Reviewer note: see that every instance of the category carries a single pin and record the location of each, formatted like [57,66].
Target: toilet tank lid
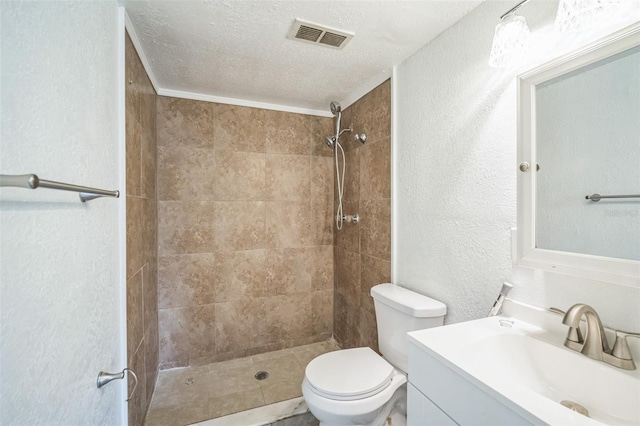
[407,301]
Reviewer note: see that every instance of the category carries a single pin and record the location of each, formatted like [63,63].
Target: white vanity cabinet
[439,395]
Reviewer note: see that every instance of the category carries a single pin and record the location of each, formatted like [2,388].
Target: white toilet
[358,386]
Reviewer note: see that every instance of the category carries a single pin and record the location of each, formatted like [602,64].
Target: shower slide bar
[598,197]
[33,181]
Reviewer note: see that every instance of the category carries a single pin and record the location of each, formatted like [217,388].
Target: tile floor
[189,395]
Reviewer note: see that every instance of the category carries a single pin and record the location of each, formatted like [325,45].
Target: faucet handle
[621,347]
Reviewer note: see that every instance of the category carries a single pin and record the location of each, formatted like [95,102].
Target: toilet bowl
[358,386]
[351,387]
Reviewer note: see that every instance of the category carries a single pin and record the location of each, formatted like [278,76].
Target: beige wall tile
[322,220]
[287,133]
[321,127]
[288,177]
[149,167]
[201,329]
[241,324]
[183,122]
[351,176]
[322,312]
[185,333]
[135,243]
[185,227]
[289,270]
[135,326]
[151,359]
[347,270]
[133,147]
[239,275]
[150,295]
[137,406]
[339,317]
[368,330]
[373,271]
[240,128]
[132,91]
[349,236]
[375,170]
[373,114]
[148,107]
[186,173]
[288,224]
[285,323]
[239,176]
[239,225]
[186,280]
[173,338]
[322,272]
[149,230]
[375,231]
[322,176]
[141,230]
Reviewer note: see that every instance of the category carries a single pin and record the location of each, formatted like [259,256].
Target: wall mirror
[578,145]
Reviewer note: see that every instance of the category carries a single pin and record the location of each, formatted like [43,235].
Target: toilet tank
[398,311]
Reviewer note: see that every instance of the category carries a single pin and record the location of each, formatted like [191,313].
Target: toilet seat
[349,374]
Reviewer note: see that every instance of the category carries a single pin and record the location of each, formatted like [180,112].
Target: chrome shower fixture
[335,107]
[333,142]
[330,141]
[362,138]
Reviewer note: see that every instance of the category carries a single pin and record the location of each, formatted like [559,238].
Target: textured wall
[455,177]
[245,231]
[588,136]
[362,252]
[142,248]
[59,276]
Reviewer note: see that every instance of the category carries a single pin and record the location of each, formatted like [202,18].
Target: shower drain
[261,375]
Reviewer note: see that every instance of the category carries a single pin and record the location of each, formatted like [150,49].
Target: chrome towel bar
[598,197]
[33,181]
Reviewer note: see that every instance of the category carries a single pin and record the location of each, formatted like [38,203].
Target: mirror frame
[607,269]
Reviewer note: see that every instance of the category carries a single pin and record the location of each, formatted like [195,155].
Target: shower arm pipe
[32,181]
[513,9]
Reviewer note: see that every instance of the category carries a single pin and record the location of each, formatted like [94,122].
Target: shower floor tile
[189,395]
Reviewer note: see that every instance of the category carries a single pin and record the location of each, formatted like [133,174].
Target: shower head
[330,141]
[335,107]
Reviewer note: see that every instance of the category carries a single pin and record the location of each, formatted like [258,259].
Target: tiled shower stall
[232,249]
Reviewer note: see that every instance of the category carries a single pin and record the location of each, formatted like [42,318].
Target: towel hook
[104,378]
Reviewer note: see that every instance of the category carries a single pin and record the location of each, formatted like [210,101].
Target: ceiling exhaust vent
[319,34]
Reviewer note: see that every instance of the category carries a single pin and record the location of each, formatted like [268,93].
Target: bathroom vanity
[514,370]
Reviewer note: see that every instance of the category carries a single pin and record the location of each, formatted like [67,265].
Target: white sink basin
[530,367]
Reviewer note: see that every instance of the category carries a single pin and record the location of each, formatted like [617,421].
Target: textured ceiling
[239,49]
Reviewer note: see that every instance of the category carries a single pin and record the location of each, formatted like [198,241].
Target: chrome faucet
[595,344]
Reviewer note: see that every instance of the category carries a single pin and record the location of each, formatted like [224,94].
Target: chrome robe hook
[104,378]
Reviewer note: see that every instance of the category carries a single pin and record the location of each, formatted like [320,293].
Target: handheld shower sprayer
[335,107]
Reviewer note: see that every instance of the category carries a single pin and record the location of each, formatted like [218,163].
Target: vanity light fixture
[510,39]
[511,35]
[578,15]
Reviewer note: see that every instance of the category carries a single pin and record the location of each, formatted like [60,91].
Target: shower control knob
[351,218]
[361,137]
